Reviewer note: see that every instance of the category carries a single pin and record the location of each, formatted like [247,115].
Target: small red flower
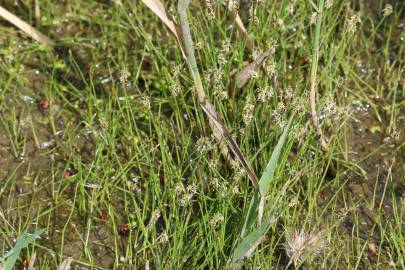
[123,229]
[103,216]
[44,104]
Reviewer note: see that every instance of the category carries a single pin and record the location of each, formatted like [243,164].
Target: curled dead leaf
[242,77]
[247,72]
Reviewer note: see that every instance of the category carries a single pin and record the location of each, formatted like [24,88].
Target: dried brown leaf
[25,27]
[247,72]
[212,114]
[65,265]
[158,8]
[240,27]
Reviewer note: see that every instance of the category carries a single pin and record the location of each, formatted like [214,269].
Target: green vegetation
[103,141]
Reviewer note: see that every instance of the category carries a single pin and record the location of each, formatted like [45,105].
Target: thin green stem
[189,46]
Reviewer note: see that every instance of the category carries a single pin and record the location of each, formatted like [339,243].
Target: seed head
[210,9]
[216,219]
[387,10]
[233,5]
[301,245]
[312,19]
[328,3]
[163,238]
[352,23]
[124,76]
[290,8]
[265,93]
[179,188]
[203,144]
[185,199]
[248,111]
[155,216]
[145,102]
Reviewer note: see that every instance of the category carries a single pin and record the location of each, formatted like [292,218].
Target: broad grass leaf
[251,241]
[254,237]
[22,242]
[268,173]
[265,182]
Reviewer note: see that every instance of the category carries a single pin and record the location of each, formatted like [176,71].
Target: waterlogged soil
[34,178]
[373,180]
[33,158]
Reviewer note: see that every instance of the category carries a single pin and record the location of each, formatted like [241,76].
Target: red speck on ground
[377,203]
[44,104]
[24,263]
[123,229]
[68,173]
[103,216]
[322,194]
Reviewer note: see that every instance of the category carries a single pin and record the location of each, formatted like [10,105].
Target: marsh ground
[103,142]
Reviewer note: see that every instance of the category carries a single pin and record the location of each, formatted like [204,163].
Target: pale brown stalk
[25,27]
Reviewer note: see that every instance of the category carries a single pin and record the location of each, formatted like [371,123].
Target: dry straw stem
[209,110]
[314,70]
[146,265]
[65,265]
[37,13]
[25,27]
[31,261]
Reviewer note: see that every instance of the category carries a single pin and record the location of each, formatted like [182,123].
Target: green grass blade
[254,237]
[265,182]
[23,241]
[251,241]
[268,173]
[251,215]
